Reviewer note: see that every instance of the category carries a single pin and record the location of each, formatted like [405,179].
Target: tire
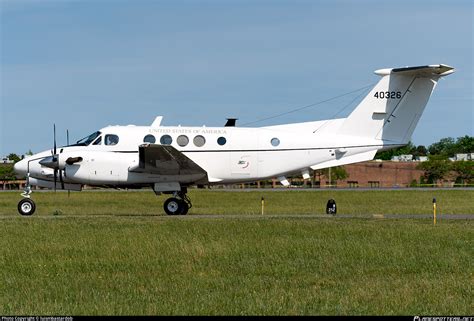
[173,206]
[185,208]
[26,207]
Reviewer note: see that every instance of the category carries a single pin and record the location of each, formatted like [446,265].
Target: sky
[84,65]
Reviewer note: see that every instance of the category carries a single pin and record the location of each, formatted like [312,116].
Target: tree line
[438,166]
[445,147]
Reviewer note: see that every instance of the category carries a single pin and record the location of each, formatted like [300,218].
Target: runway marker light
[263,204]
[434,211]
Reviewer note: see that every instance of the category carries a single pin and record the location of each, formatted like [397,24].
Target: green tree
[337,173]
[465,144]
[420,151]
[464,171]
[445,147]
[435,168]
[404,150]
[6,172]
[14,157]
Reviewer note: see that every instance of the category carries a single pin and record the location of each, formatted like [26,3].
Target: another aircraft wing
[165,160]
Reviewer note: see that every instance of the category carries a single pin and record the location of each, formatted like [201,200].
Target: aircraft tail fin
[392,108]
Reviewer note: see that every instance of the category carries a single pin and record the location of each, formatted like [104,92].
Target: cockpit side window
[87,140]
[111,139]
[98,141]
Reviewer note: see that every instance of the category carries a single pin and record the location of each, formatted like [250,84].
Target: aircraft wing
[165,160]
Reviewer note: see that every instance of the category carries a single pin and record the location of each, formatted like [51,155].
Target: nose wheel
[177,205]
[26,207]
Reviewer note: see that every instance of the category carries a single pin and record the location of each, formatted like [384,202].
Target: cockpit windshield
[87,140]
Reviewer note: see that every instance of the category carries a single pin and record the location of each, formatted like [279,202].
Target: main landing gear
[179,204]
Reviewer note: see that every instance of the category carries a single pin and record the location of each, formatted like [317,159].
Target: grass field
[68,258]
[249,202]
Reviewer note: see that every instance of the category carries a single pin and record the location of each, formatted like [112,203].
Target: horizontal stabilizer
[419,71]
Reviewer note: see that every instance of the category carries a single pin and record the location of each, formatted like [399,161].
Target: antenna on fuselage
[230,122]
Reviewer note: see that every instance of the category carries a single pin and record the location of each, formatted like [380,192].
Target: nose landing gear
[26,206]
[179,204]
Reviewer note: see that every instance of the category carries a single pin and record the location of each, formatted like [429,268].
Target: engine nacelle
[98,168]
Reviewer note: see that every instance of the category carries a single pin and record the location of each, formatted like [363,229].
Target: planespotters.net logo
[418,318]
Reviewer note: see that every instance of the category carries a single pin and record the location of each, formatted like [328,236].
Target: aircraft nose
[20,167]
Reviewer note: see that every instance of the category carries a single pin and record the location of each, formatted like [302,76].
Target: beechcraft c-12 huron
[170,159]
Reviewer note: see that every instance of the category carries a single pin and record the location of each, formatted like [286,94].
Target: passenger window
[275,142]
[98,141]
[166,140]
[199,141]
[111,140]
[149,139]
[221,141]
[182,140]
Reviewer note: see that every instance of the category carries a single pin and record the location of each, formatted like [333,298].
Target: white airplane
[170,158]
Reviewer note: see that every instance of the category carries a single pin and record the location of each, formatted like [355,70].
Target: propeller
[55,158]
[62,182]
[53,161]
[61,178]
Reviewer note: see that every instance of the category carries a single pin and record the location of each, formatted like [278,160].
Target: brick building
[377,174]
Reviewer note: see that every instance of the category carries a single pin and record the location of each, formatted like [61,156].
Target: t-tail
[392,109]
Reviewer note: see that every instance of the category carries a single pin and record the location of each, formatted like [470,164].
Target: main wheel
[26,207]
[173,206]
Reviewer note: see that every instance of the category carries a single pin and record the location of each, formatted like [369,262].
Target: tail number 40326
[388,94]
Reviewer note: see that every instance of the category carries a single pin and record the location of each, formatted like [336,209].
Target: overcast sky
[87,64]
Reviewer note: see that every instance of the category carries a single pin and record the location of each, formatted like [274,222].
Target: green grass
[249,202]
[76,261]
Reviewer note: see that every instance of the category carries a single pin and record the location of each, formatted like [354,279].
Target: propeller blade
[68,191]
[55,178]
[54,131]
[61,179]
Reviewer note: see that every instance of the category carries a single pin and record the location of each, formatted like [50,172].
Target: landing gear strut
[26,206]
[179,204]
